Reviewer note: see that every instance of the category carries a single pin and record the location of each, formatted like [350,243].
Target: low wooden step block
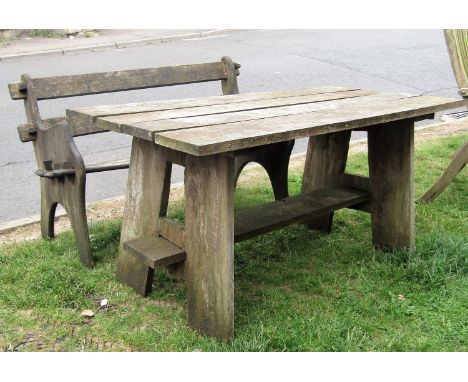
[267,217]
[155,251]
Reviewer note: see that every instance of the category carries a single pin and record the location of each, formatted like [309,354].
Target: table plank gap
[134,118]
[147,129]
[87,116]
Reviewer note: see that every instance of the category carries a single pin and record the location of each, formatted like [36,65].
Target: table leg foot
[143,202]
[391,169]
[276,164]
[135,273]
[209,228]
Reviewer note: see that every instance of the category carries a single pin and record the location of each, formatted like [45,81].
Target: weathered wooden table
[210,136]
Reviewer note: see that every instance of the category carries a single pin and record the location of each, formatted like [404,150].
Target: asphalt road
[387,60]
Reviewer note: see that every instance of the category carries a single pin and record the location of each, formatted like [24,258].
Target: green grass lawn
[295,289]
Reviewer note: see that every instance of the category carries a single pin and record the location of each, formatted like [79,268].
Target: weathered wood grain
[61,166]
[54,148]
[457,46]
[271,216]
[360,183]
[355,181]
[229,83]
[107,82]
[91,168]
[27,131]
[155,251]
[143,200]
[391,173]
[227,137]
[88,115]
[144,125]
[209,229]
[325,163]
[172,231]
[267,217]
[222,109]
[274,158]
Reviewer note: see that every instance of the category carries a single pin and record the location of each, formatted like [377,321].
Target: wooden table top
[211,125]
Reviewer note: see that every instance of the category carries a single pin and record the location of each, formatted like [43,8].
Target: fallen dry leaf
[401,297]
[87,313]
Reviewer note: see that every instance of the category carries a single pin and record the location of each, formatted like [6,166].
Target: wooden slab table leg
[325,161]
[145,191]
[391,170]
[209,230]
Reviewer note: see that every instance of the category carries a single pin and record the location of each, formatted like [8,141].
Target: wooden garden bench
[61,167]
[457,46]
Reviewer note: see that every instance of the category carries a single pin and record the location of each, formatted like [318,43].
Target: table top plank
[133,118]
[144,125]
[213,139]
[211,125]
[148,129]
[87,115]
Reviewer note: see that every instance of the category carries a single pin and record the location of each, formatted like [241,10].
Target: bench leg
[145,189]
[77,214]
[48,207]
[73,200]
[391,176]
[209,230]
[325,160]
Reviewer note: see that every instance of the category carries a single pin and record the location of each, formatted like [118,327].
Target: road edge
[109,46]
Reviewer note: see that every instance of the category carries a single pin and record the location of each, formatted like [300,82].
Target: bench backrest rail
[45,88]
[108,82]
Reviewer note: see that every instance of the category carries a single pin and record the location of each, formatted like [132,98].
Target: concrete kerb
[108,46]
[24,222]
